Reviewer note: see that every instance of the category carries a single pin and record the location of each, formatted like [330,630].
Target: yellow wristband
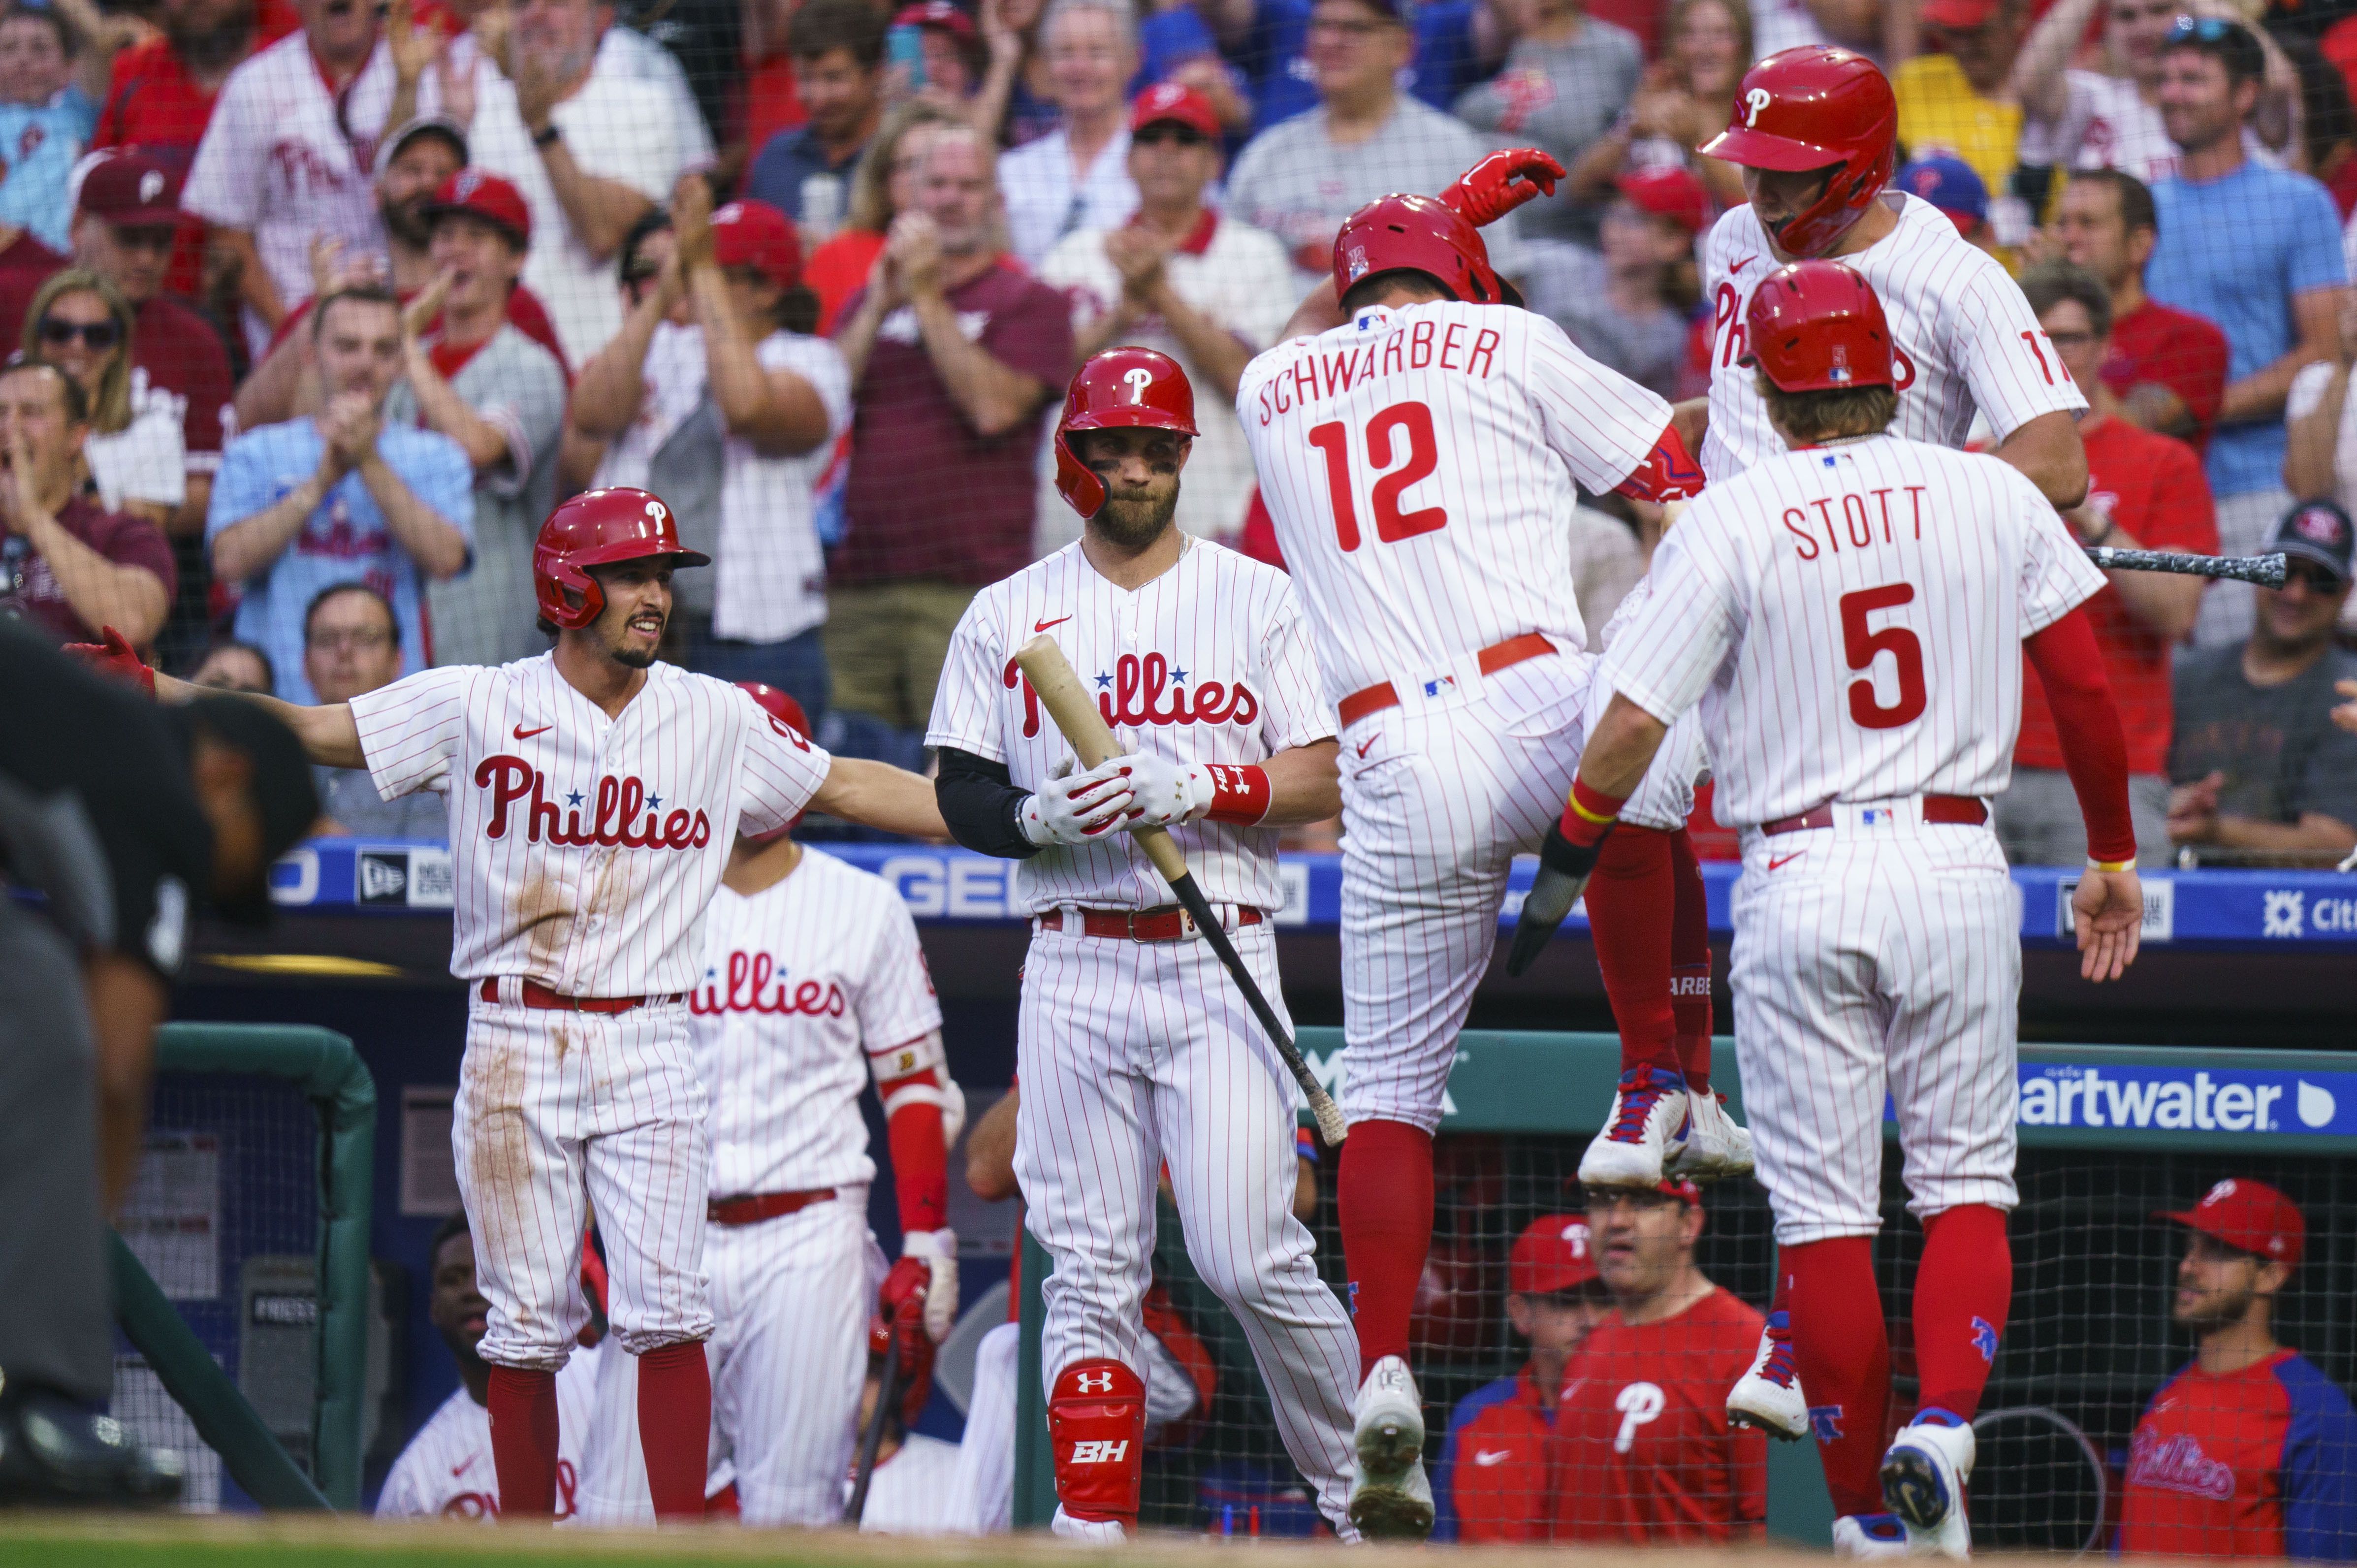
[1587,816]
[2095,865]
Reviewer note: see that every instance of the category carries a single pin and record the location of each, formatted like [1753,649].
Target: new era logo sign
[1104,1453]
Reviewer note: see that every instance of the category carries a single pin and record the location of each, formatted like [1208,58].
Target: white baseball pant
[1879,954]
[791,1300]
[560,1114]
[1132,1053]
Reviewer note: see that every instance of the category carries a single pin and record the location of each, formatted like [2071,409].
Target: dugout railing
[326,1073]
[2089,1338]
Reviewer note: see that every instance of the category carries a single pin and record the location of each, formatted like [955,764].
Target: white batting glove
[1077,808]
[938,1250]
[1166,791]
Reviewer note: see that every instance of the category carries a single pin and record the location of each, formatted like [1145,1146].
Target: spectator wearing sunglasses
[2263,777]
[67,565]
[80,324]
[1208,290]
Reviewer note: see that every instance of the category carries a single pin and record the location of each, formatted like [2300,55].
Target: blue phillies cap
[1948,183]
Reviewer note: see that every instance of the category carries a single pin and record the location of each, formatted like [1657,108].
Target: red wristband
[1242,792]
[1590,812]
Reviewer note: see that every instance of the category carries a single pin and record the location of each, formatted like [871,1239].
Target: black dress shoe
[54,1453]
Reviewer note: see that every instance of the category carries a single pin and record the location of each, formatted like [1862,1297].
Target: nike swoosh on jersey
[1493,1455]
[1044,625]
[1744,262]
[1367,742]
[522,734]
[1776,860]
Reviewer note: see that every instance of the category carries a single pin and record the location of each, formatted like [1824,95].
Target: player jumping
[1876,941]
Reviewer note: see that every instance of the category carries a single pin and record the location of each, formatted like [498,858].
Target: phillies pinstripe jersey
[1417,462]
[803,982]
[1850,617]
[585,848]
[447,1467]
[1964,337]
[1208,662]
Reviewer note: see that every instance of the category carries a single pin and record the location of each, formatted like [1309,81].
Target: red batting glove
[115,656]
[1501,182]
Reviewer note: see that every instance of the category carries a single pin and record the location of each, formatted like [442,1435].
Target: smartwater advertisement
[2189,1099]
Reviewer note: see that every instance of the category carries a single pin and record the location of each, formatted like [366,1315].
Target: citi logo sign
[1104,1452]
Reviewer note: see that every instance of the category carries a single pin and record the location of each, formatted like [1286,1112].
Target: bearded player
[1134,1046]
[1878,946]
[1418,440]
[813,985]
[595,795]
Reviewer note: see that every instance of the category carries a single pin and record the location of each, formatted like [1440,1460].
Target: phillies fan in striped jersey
[595,795]
[1877,931]
[1417,441]
[813,984]
[1134,1046]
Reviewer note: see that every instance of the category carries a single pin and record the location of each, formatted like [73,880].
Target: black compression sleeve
[982,805]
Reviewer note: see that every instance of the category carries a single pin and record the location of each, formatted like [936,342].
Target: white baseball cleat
[1651,1115]
[1718,1147]
[1087,1531]
[1863,1535]
[1924,1476]
[1391,1499]
[1769,1396]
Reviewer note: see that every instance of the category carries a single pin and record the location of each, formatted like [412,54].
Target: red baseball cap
[756,234]
[939,13]
[2250,1216]
[1961,16]
[1671,193]
[1179,104]
[478,193]
[128,190]
[1552,1254]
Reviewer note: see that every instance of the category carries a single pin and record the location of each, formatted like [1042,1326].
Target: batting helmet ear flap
[1075,481]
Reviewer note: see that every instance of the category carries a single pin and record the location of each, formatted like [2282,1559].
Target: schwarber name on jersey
[585,848]
[1964,338]
[1851,618]
[1417,462]
[1209,663]
[802,982]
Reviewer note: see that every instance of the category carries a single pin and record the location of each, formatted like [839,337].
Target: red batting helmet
[1418,233]
[782,710]
[1134,388]
[593,529]
[1813,107]
[1816,326]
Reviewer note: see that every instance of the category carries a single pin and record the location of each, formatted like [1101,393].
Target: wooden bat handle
[1075,713]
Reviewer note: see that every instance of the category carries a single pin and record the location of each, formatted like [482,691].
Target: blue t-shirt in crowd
[1277,69]
[38,147]
[788,159]
[345,540]
[2239,250]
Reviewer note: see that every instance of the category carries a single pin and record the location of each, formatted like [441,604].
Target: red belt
[752,1208]
[532,994]
[1960,811]
[1498,656]
[1167,924]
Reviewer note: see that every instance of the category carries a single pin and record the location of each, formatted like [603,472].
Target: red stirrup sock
[1383,1193]
[675,1426]
[1842,1351]
[522,1403]
[1690,963]
[1962,1288]
[1630,906]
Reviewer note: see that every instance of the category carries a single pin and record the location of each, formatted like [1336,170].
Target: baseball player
[1871,592]
[813,985]
[1134,1046]
[1416,453]
[595,799]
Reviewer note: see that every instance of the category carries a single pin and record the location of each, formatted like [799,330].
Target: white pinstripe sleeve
[965,704]
[1668,655]
[895,999]
[2056,575]
[779,770]
[2008,363]
[410,731]
[1601,422]
[1296,712]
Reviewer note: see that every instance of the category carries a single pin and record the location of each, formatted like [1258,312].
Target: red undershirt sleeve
[921,1157]
[2094,752]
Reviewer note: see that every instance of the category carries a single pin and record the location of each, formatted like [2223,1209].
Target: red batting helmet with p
[1817,327]
[1815,107]
[1418,233]
[1121,388]
[598,528]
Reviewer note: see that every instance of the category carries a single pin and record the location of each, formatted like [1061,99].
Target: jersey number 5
[1861,644]
[1412,420]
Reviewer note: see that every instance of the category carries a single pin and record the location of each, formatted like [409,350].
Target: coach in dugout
[1493,1477]
[2248,1451]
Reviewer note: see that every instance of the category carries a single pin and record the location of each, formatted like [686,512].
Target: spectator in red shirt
[1494,1478]
[2249,1451]
[2166,366]
[65,565]
[2144,492]
[1646,1453]
[954,350]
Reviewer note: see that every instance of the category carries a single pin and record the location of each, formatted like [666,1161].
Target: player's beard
[1134,522]
[2215,1310]
[405,222]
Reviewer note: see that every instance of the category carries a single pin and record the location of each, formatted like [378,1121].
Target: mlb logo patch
[1873,816]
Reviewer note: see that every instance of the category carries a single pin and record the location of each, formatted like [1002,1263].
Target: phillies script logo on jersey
[2178,1465]
[614,816]
[748,990]
[1149,691]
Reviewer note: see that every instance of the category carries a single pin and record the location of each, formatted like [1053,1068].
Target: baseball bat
[2266,570]
[870,1441]
[1075,713]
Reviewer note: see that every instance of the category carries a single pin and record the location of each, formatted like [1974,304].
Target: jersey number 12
[1410,423]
